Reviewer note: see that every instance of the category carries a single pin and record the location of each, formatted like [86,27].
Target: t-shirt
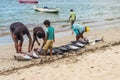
[73,15]
[50,33]
[17,28]
[78,28]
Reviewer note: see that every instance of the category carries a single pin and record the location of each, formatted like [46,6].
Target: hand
[35,49]
[29,50]
[53,40]
[38,44]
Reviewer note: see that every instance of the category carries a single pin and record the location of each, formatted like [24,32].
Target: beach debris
[92,67]
[117,52]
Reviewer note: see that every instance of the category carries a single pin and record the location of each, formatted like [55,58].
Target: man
[72,17]
[50,38]
[79,30]
[17,30]
[38,32]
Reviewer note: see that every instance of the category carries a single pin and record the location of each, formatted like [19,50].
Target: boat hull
[47,10]
[28,1]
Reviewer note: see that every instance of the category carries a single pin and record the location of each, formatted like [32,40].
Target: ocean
[12,11]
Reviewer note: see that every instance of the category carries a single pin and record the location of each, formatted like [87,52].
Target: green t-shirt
[73,15]
[50,33]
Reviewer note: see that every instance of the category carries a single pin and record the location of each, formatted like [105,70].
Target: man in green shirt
[72,17]
[50,38]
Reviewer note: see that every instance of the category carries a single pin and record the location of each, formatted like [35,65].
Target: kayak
[46,9]
[28,1]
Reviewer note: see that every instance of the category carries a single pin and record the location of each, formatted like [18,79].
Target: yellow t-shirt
[73,15]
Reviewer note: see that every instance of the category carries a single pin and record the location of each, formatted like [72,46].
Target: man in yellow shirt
[72,17]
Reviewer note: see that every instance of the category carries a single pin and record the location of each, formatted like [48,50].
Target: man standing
[72,17]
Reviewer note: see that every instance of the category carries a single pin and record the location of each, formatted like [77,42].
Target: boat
[29,1]
[46,9]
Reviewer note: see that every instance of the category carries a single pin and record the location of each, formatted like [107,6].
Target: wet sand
[98,62]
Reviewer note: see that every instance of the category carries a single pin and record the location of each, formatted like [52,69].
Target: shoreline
[57,25]
[6,38]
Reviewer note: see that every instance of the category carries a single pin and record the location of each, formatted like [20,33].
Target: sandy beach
[98,62]
[98,65]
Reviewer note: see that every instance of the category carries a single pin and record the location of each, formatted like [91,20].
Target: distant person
[38,32]
[79,29]
[72,17]
[50,38]
[17,30]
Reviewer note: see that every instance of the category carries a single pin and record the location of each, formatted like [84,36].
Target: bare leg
[78,37]
[20,46]
[15,41]
[51,53]
[45,54]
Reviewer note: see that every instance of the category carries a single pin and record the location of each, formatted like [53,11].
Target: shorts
[48,45]
[77,32]
[19,37]
[72,22]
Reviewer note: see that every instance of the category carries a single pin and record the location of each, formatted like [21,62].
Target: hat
[87,29]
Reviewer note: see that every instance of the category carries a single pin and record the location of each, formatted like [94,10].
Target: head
[71,10]
[87,29]
[40,35]
[47,23]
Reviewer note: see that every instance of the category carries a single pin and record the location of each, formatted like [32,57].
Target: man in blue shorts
[79,29]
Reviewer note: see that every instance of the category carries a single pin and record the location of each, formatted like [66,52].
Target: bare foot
[50,58]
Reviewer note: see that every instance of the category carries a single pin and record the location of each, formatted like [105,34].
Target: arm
[30,42]
[75,17]
[54,37]
[69,17]
[44,41]
[72,30]
[33,42]
[37,41]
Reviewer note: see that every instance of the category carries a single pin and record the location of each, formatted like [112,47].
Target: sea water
[12,11]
